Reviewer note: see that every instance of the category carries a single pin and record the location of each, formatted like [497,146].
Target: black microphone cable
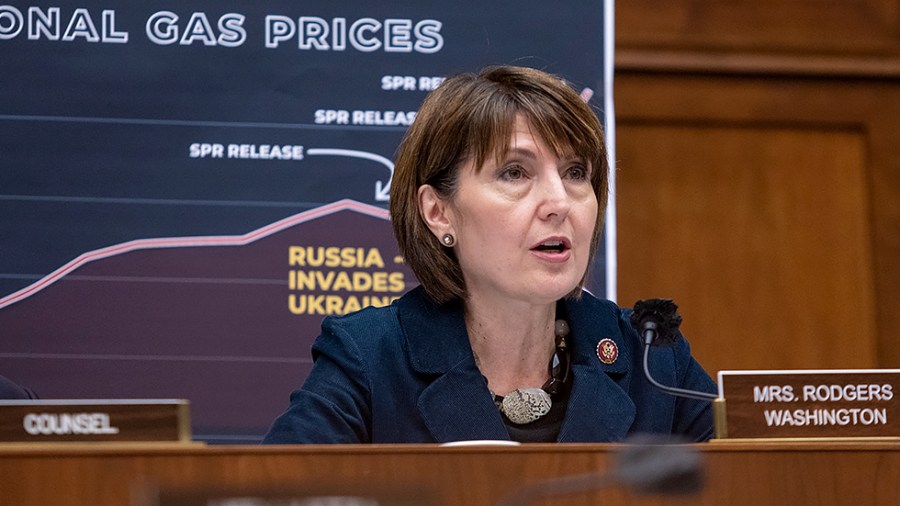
[657,321]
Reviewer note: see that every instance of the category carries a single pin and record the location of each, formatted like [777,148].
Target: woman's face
[524,226]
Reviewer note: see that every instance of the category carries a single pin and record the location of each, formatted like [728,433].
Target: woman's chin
[552,292]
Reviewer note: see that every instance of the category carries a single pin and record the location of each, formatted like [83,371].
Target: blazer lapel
[599,409]
[456,405]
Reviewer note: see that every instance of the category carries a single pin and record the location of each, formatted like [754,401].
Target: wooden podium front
[852,472]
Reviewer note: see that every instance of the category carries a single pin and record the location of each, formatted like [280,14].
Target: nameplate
[95,420]
[811,404]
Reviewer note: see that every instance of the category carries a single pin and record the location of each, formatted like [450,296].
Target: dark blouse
[546,428]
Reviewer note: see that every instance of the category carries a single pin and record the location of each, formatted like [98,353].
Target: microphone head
[661,313]
[652,465]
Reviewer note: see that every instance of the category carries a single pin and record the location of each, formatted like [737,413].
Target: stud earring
[448,240]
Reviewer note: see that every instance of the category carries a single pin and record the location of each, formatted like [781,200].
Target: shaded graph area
[215,320]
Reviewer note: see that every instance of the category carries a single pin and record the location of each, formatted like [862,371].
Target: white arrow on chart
[382,190]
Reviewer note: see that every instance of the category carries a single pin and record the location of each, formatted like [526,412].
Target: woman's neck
[512,344]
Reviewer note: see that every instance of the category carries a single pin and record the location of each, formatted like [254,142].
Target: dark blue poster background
[187,188]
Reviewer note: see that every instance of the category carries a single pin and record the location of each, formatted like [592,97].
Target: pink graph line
[189,242]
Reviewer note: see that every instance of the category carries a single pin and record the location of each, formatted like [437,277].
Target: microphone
[645,464]
[654,464]
[657,321]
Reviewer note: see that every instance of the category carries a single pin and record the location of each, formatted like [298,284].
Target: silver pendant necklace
[525,405]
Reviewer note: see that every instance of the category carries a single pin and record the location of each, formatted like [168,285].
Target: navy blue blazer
[11,390]
[406,374]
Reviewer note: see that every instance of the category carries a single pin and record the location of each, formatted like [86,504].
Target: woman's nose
[555,198]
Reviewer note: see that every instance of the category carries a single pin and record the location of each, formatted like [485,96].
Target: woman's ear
[435,211]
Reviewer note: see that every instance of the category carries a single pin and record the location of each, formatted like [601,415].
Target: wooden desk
[855,473]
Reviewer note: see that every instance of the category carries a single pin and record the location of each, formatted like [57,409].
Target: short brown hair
[471,116]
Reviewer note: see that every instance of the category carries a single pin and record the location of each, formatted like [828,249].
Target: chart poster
[187,188]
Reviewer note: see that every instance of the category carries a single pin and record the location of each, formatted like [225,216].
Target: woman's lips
[553,250]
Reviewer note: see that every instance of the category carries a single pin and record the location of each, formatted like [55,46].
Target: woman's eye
[512,173]
[577,172]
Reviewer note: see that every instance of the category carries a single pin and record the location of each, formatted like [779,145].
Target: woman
[497,202]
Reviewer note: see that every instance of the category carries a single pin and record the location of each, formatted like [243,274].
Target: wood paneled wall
[758,181]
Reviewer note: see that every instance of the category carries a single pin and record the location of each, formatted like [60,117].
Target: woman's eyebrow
[517,152]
